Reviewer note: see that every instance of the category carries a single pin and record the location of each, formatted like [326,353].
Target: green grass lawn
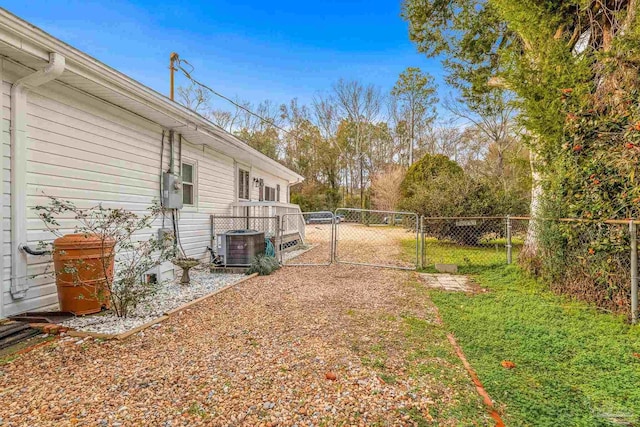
[575,366]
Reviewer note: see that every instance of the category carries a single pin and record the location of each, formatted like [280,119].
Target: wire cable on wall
[162,170]
[175,214]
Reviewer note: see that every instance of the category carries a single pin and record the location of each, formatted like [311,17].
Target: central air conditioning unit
[238,247]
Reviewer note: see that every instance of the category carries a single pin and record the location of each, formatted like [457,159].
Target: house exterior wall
[87,151]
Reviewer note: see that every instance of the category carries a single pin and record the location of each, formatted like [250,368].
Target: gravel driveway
[263,353]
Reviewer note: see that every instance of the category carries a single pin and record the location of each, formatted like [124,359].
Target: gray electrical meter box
[171,191]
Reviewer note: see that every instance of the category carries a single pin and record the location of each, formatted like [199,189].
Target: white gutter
[18,140]
[1,208]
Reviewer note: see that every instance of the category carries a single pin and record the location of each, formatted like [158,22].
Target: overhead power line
[231,101]
[187,73]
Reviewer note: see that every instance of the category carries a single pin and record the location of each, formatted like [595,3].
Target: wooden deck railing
[288,213]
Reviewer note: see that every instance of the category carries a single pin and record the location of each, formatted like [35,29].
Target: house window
[270,194]
[188,184]
[278,193]
[243,184]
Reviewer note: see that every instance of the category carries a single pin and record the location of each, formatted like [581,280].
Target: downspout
[19,91]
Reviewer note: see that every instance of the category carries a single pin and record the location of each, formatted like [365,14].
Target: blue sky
[252,49]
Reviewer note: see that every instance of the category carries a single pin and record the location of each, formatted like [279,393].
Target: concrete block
[447,268]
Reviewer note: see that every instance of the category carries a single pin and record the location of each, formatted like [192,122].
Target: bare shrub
[385,188]
[134,255]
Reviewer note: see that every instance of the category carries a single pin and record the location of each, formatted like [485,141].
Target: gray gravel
[169,296]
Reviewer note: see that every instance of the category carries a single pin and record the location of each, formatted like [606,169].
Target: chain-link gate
[377,238]
[307,238]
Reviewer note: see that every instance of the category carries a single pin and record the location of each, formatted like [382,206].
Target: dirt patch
[321,346]
[449,282]
[252,355]
[373,244]
[356,243]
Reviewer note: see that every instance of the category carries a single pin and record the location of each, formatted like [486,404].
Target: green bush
[592,175]
[264,265]
[422,173]
[438,187]
[313,197]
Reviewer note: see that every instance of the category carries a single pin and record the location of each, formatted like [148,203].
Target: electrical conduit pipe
[19,91]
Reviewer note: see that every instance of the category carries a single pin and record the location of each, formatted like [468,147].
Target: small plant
[388,378]
[132,255]
[196,409]
[264,265]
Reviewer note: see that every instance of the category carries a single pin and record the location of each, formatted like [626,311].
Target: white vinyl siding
[86,151]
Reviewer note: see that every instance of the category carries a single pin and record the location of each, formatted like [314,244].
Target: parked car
[319,218]
[395,220]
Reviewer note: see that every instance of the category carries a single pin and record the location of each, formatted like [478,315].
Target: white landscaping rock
[168,297]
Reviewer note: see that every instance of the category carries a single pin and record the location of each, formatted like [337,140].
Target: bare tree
[495,123]
[227,120]
[195,98]
[385,188]
[446,138]
[224,119]
[414,93]
[400,131]
[326,117]
[360,105]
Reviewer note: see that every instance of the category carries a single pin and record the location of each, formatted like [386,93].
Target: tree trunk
[362,204]
[411,142]
[530,249]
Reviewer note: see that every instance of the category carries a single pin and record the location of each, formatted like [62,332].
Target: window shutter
[247,192]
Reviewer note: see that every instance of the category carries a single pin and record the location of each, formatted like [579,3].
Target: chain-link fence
[595,261]
[307,238]
[233,241]
[376,238]
[589,260]
[463,244]
[517,231]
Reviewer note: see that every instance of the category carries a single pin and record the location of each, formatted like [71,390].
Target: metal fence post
[509,246]
[423,255]
[336,239]
[332,241]
[278,237]
[634,272]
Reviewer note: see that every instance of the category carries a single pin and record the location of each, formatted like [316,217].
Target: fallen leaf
[507,364]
